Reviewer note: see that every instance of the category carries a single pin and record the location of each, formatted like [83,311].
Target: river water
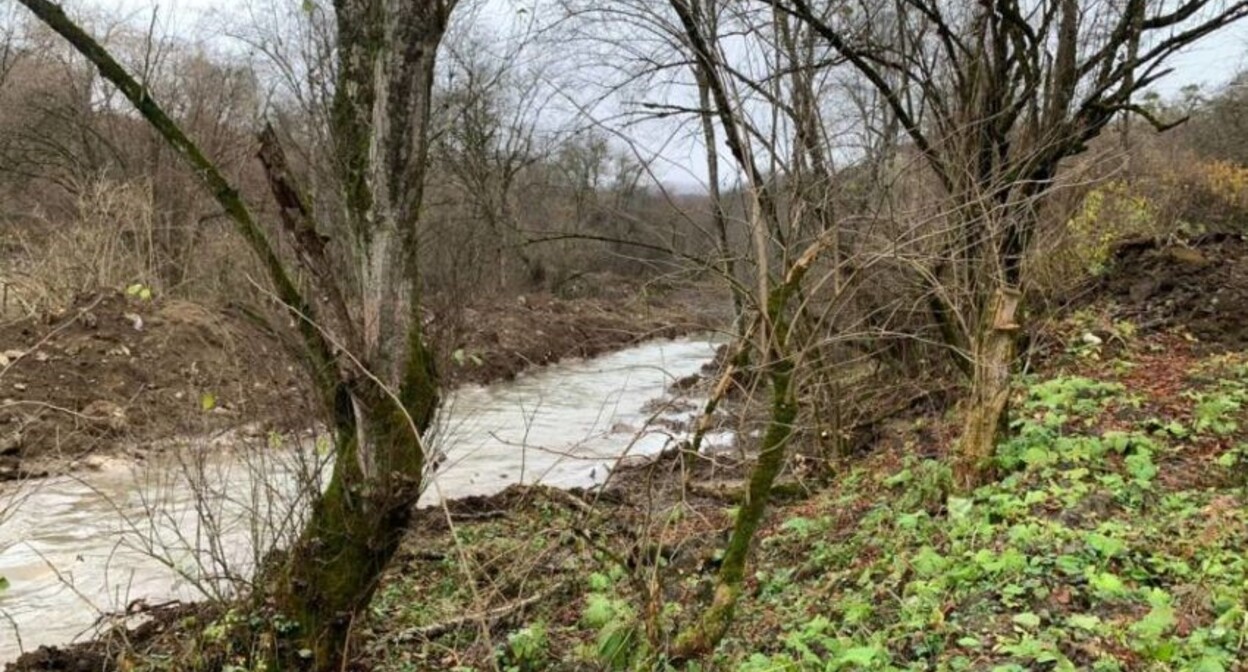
[192,522]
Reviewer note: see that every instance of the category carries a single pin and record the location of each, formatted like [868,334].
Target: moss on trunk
[702,638]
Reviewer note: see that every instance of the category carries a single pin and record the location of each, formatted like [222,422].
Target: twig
[438,629]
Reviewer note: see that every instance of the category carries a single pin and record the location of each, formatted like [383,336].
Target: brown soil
[495,338]
[115,373]
[114,370]
[1200,287]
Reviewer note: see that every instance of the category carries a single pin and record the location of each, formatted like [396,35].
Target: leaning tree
[994,95]
[358,317]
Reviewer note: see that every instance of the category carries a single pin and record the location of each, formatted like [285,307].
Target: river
[190,523]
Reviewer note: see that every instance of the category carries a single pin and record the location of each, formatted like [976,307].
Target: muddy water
[193,522]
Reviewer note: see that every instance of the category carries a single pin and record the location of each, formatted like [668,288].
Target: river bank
[118,373]
[192,521]
[1112,539]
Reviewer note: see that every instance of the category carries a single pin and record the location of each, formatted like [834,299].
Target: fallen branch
[488,616]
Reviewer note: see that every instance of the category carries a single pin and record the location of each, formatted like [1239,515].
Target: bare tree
[994,96]
[766,110]
[362,335]
[489,138]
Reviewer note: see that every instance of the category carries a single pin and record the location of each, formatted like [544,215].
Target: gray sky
[1209,64]
[679,161]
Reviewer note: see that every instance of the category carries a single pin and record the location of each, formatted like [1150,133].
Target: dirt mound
[116,369]
[495,338]
[1200,286]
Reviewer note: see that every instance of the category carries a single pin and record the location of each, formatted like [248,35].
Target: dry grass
[117,238]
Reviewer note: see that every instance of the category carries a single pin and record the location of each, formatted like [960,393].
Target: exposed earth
[117,372]
[1200,285]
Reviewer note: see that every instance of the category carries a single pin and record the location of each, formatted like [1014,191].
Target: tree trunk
[387,54]
[356,526]
[701,639]
[986,410]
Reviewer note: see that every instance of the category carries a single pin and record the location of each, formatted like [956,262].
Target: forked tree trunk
[387,52]
[355,527]
[372,368]
[986,416]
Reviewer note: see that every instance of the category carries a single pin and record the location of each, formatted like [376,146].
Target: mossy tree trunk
[701,638]
[705,634]
[366,353]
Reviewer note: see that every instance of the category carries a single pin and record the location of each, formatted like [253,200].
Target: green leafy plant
[139,291]
[619,644]
[527,649]
[1214,412]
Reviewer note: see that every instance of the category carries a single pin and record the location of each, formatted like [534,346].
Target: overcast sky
[678,163]
[1209,64]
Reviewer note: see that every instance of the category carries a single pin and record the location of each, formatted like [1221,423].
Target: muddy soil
[115,369]
[115,373]
[1200,286]
[495,338]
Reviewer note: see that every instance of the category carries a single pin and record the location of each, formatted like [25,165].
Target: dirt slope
[1200,285]
[115,369]
[116,372]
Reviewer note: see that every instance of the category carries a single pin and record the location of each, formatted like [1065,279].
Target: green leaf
[1039,456]
[1208,664]
[1157,623]
[959,508]
[207,401]
[4,583]
[133,290]
[1108,584]
[1176,429]
[145,294]
[927,562]
[1106,547]
[599,610]
[859,655]
[616,647]
[599,582]
[1141,467]
[1027,620]
[1087,622]
[900,478]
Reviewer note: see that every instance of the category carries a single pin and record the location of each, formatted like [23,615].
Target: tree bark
[986,415]
[701,638]
[705,635]
[387,55]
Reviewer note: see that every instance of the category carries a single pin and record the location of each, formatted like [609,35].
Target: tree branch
[321,359]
